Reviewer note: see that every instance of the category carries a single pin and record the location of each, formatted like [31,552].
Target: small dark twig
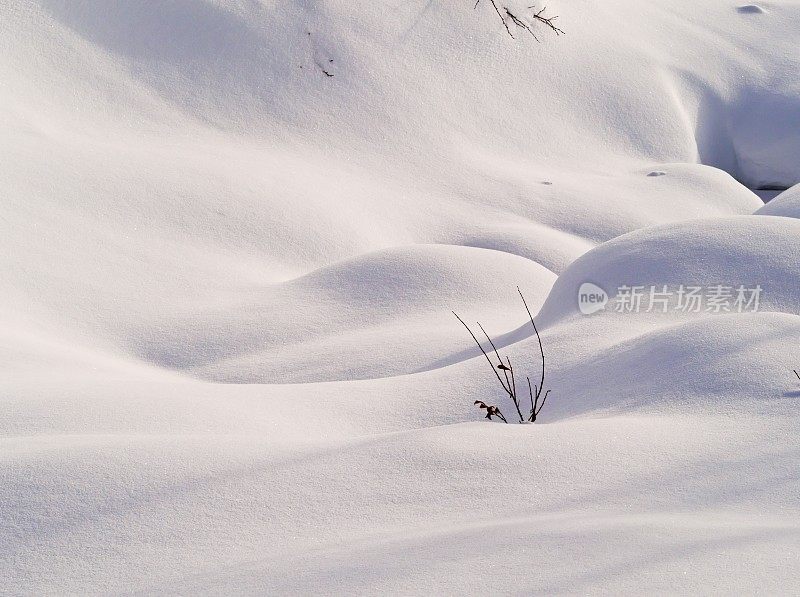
[535,412]
[548,21]
[499,14]
[513,383]
[513,392]
[520,21]
[509,387]
[482,350]
[539,388]
[324,70]
[533,403]
[510,384]
[502,367]
[796,373]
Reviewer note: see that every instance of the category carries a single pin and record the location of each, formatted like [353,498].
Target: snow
[750,9]
[785,204]
[228,358]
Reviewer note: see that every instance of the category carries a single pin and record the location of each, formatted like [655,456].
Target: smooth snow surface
[229,363]
[785,204]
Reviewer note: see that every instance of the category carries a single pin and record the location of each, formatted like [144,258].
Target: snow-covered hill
[229,363]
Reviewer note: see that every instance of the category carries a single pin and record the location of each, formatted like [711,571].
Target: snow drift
[229,363]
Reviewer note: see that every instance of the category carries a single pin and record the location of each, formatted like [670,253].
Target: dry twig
[523,21]
[508,381]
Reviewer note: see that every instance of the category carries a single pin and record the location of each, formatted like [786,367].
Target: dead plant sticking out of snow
[508,381]
[524,21]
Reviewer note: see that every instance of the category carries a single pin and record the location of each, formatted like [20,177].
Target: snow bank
[786,204]
[765,125]
[742,251]
[189,202]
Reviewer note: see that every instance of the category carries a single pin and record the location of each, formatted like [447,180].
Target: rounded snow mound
[376,315]
[703,363]
[733,252]
[786,204]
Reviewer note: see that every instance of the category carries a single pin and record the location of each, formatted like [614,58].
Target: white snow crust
[228,363]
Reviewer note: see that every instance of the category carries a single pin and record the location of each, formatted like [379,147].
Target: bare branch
[506,387]
[513,383]
[499,14]
[510,384]
[521,21]
[538,337]
[548,21]
[482,350]
[533,404]
[536,414]
[514,391]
